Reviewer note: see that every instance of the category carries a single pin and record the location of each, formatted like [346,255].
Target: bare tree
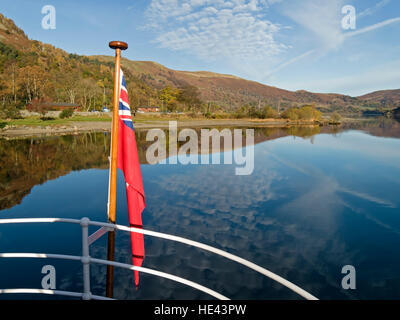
[89,91]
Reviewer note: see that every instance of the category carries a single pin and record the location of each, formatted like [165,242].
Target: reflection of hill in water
[29,162]
[379,127]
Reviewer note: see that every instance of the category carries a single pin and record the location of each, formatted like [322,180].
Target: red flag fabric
[128,162]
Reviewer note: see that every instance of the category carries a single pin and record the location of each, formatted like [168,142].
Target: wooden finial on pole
[117,46]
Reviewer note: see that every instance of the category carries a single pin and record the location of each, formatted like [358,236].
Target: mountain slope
[227,90]
[383,98]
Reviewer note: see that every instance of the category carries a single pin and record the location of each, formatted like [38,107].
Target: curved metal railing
[86,260]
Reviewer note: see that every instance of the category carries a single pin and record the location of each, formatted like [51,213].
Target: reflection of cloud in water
[384,150]
[288,217]
[218,189]
[241,221]
[310,224]
[369,197]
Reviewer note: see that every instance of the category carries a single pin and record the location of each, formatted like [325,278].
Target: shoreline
[78,127]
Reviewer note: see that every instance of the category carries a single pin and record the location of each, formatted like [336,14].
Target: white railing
[86,259]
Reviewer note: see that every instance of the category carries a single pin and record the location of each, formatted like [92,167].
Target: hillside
[227,90]
[384,98]
[32,71]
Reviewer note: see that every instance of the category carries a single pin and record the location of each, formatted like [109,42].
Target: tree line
[44,74]
[306,112]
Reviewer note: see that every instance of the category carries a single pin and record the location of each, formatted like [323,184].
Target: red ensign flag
[128,162]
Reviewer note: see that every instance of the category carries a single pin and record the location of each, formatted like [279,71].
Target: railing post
[85,259]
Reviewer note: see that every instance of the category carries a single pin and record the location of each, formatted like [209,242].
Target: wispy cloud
[291,61]
[372,28]
[323,20]
[370,11]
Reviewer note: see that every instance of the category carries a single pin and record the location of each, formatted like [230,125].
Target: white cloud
[242,35]
[217,29]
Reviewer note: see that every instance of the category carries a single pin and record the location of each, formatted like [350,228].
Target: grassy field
[86,120]
[36,121]
[143,119]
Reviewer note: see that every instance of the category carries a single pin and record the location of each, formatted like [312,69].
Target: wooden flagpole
[112,196]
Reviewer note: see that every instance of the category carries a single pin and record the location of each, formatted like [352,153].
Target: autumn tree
[169,97]
[268,113]
[335,118]
[291,113]
[39,106]
[189,96]
[304,113]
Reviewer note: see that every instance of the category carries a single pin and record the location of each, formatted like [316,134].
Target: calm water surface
[318,199]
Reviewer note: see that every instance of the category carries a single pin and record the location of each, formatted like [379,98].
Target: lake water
[318,199]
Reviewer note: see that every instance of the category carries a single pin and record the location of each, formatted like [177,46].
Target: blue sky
[291,44]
